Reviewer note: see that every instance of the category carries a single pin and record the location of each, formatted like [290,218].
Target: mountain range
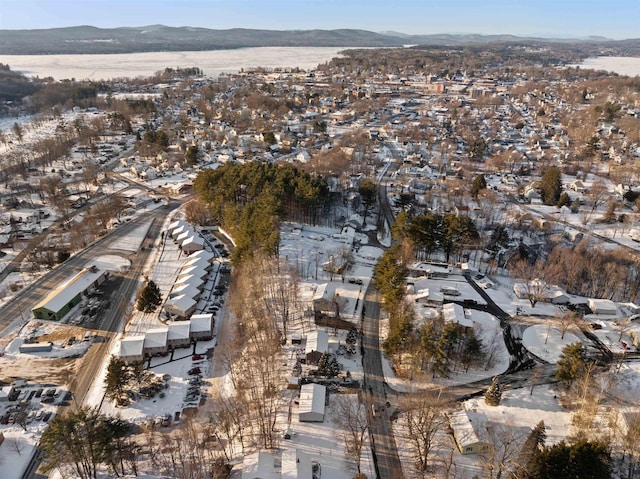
[152,38]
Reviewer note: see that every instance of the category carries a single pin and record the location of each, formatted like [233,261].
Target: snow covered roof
[296,464]
[323,291]
[312,398]
[317,341]
[196,271]
[208,255]
[193,243]
[189,290]
[186,233]
[259,465]
[463,429]
[603,306]
[200,261]
[176,224]
[201,323]
[454,313]
[178,330]
[180,304]
[156,338]
[64,293]
[131,346]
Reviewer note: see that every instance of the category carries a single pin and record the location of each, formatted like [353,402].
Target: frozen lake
[622,65]
[214,62]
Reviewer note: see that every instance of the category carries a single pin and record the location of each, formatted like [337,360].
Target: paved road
[383,444]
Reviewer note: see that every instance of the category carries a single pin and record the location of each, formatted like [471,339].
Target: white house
[465,434]
[312,403]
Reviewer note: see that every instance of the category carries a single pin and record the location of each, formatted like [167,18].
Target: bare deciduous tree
[424,418]
[351,415]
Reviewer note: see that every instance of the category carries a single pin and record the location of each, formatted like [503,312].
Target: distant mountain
[152,38]
[86,39]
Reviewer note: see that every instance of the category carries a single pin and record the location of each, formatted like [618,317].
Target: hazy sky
[560,18]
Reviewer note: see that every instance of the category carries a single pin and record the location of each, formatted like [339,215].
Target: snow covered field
[103,67]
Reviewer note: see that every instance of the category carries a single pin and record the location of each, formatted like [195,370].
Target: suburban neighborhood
[398,264]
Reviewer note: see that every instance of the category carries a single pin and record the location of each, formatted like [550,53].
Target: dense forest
[250,200]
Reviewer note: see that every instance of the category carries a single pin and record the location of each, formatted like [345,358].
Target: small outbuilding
[312,403]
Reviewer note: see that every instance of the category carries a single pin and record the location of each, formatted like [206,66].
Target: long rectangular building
[62,299]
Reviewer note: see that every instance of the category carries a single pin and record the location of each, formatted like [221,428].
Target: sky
[616,19]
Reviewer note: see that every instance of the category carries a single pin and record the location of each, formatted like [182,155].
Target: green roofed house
[62,299]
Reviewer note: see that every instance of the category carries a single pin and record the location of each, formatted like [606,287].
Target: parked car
[47,416]
[193,371]
[197,357]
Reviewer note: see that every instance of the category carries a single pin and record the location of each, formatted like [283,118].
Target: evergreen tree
[551,185]
[572,363]
[494,394]
[116,379]
[149,298]
[479,184]
[532,447]
[582,460]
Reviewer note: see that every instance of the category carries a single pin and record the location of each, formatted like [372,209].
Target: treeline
[431,233]
[591,272]
[250,200]
[14,86]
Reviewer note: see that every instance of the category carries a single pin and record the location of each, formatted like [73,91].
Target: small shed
[317,345]
[312,403]
[132,349]
[181,306]
[201,328]
[155,341]
[178,335]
